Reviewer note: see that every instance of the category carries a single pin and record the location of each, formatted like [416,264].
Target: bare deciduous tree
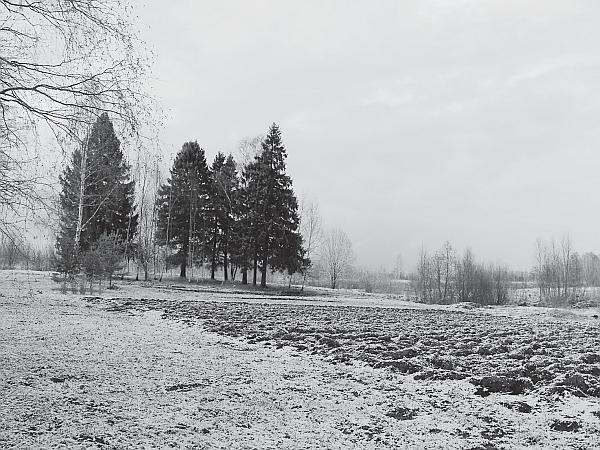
[591,269]
[62,64]
[424,290]
[561,274]
[398,274]
[248,149]
[337,254]
[566,252]
[447,258]
[148,180]
[312,232]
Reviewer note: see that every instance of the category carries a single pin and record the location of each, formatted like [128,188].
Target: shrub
[103,259]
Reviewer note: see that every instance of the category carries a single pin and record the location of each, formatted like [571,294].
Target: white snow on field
[75,375]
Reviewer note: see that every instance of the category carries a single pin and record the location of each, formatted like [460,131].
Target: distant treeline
[561,273]
[19,254]
[444,277]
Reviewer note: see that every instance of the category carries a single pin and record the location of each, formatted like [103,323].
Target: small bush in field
[103,259]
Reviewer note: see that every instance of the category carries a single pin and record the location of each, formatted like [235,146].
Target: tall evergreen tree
[66,249]
[217,213]
[111,193]
[243,229]
[274,216]
[230,183]
[97,195]
[251,223]
[184,210]
[223,192]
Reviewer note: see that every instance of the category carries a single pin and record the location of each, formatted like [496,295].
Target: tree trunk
[82,181]
[255,269]
[263,275]
[566,279]
[213,266]
[225,243]
[189,248]
[445,288]
[182,273]
[244,275]
[265,257]
[184,261]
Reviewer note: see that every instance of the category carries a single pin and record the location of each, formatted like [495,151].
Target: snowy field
[184,366]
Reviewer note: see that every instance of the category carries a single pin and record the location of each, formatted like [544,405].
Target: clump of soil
[402,413]
[565,425]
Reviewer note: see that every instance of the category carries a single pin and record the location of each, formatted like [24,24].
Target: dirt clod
[402,413]
[565,425]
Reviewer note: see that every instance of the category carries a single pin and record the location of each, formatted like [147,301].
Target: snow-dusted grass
[203,367]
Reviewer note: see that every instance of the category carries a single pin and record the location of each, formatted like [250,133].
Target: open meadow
[197,366]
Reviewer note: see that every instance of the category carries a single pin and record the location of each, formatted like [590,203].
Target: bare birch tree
[566,249]
[424,276]
[448,259]
[398,267]
[312,232]
[148,180]
[337,254]
[248,149]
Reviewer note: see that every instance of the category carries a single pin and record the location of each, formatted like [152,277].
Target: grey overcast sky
[410,122]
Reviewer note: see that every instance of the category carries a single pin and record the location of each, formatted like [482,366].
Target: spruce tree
[66,249]
[223,192]
[184,210]
[242,230]
[97,195]
[251,222]
[229,182]
[217,213]
[274,217]
[111,192]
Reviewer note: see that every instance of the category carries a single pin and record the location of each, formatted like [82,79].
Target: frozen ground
[209,367]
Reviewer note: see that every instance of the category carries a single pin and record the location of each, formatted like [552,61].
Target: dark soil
[498,354]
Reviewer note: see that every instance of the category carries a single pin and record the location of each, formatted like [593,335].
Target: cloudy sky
[410,122]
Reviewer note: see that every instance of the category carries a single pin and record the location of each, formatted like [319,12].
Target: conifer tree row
[239,222]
